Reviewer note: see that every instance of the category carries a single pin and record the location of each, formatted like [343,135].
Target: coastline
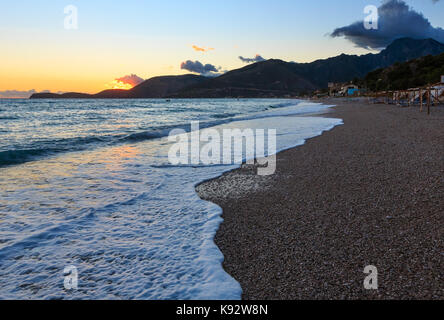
[101,188]
[365,193]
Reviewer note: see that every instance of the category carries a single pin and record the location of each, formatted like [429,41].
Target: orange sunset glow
[116,84]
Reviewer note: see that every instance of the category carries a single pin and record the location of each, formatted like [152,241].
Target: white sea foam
[129,221]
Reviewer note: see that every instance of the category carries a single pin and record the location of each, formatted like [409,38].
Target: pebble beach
[370,192]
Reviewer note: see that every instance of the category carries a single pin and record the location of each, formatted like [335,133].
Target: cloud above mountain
[131,79]
[257,58]
[207,70]
[396,20]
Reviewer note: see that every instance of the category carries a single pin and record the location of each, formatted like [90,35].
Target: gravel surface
[370,192]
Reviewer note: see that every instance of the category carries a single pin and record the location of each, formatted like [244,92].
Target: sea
[91,206]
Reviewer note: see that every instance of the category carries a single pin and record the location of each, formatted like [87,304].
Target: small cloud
[396,20]
[125,83]
[201,49]
[16,94]
[131,79]
[257,58]
[207,70]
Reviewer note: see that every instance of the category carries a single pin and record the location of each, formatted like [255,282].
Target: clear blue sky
[153,37]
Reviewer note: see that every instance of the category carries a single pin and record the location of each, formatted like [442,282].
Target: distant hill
[160,87]
[267,78]
[157,87]
[400,76]
[67,95]
[272,78]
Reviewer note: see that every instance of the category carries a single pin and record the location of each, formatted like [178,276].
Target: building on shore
[350,90]
[343,89]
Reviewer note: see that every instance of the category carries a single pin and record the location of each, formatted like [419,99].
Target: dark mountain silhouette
[272,78]
[267,78]
[67,95]
[160,87]
[112,94]
[345,68]
[157,87]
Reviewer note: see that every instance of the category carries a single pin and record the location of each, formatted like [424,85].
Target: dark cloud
[198,67]
[396,20]
[131,79]
[16,94]
[257,58]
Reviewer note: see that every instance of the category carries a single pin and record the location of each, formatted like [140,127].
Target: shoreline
[368,192]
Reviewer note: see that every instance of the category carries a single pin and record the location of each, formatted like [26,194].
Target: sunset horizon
[114,41]
[217,158]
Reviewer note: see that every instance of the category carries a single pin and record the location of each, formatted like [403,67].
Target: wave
[9,118]
[179,238]
[224,115]
[164,131]
[48,147]
[11,157]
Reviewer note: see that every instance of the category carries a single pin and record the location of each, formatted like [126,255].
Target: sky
[118,44]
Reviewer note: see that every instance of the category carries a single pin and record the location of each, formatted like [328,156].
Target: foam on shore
[131,223]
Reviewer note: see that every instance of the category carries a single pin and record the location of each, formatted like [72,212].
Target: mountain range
[270,78]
